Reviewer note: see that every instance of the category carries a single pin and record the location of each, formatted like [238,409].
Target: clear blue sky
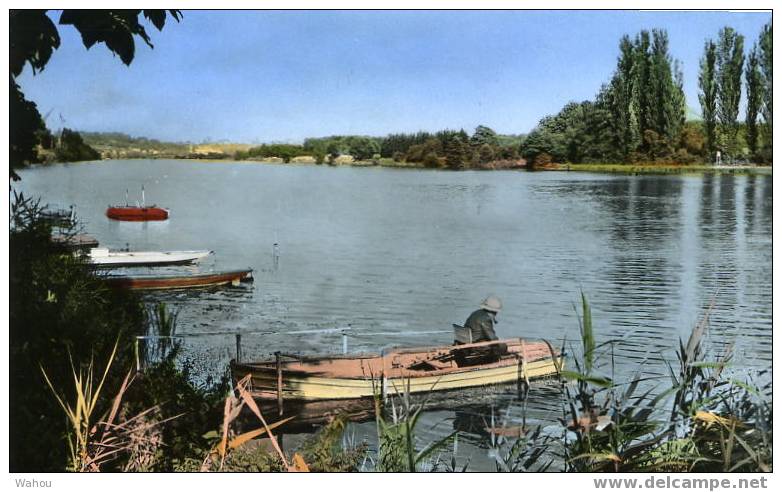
[283,76]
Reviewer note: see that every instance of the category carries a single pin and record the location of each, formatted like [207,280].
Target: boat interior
[407,362]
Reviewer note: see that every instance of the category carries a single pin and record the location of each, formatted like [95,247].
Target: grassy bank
[652,168]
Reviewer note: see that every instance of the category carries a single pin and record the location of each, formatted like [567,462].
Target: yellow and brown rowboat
[291,379]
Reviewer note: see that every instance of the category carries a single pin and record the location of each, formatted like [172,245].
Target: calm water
[396,253]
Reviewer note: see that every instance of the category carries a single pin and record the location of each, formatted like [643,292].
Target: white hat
[492,303]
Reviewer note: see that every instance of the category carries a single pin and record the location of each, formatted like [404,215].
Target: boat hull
[107,258]
[149,282]
[137,214]
[387,374]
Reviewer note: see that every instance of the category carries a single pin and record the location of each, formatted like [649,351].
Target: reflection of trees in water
[637,291]
[717,266]
[750,190]
[645,219]
[766,207]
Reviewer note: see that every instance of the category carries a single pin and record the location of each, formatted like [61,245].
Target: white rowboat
[106,257]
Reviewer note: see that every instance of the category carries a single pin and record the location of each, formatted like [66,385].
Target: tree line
[455,149]
[641,113]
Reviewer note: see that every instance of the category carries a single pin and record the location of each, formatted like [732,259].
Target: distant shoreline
[603,168]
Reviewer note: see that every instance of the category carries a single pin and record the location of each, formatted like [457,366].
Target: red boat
[137,213]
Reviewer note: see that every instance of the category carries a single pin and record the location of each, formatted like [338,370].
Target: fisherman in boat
[479,327]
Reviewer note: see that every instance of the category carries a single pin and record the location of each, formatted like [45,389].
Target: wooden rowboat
[159,282]
[288,380]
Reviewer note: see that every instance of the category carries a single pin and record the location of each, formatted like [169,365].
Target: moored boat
[75,241]
[106,257]
[59,216]
[194,281]
[137,213]
[295,380]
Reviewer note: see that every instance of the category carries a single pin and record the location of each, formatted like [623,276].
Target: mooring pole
[344,343]
[238,347]
[138,358]
[279,382]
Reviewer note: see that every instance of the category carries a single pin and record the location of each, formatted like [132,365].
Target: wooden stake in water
[238,347]
[278,356]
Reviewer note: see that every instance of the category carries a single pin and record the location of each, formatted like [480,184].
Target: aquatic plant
[714,423]
[397,449]
[95,438]
[161,338]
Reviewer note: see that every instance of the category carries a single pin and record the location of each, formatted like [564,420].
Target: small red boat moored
[137,213]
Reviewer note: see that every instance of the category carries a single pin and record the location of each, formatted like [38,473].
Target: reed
[397,447]
[95,439]
[714,423]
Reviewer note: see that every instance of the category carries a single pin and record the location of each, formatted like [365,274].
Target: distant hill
[115,145]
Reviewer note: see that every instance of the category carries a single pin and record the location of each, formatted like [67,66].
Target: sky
[282,76]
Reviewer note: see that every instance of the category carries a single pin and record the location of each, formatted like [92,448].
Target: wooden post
[279,382]
[138,358]
[238,347]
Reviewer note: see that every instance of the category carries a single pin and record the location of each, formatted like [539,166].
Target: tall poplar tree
[707,82]
[766,61]
[641,80]
[668,108]
[730,64]
[619,98]
[754,80]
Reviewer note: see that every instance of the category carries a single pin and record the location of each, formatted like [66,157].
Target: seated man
[481,327]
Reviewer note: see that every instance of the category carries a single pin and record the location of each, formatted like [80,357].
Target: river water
[399,255]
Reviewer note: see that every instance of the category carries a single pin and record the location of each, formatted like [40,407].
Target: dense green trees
[455,149]
[638,115]
[72,148]
[649,109]
[721,70]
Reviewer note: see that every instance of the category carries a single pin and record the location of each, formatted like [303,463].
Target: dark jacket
[481,324]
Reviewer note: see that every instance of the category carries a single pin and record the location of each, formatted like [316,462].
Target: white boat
[106,257]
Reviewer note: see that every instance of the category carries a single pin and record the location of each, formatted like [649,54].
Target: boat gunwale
[270,366]
[230,273]
[303,358]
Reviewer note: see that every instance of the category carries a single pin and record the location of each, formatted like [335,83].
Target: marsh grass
[96,439]
[714,423]
[396,424]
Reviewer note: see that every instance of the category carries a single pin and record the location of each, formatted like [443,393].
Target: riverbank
[633,169]
[636,169]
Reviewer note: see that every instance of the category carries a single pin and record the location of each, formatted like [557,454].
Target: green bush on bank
[61,313]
